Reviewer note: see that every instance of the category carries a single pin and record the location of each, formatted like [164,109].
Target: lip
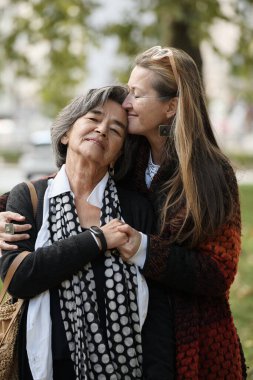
[96,141]
[131,115]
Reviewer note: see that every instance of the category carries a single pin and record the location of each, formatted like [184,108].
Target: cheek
[115,149]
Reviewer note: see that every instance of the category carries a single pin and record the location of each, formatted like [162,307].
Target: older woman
[85,305]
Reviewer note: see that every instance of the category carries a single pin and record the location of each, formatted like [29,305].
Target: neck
[157,145]
[84,178]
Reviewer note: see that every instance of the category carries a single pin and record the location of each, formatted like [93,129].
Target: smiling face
[97,136]
[146,111]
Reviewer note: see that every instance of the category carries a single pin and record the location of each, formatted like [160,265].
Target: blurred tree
[185,24]
[58,32]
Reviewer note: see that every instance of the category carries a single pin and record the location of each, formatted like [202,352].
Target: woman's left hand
[130,248]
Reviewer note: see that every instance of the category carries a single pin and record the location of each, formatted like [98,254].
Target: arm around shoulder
[47,266]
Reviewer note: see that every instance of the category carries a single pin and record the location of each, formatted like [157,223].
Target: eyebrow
[115,121]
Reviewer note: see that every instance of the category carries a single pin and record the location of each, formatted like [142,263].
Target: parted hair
[198,184]
[78,107]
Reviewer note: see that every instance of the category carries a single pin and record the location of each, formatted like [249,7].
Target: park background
[52,51]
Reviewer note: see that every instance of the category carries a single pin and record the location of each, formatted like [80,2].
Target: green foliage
[242,289]
[185,24]
[46,41]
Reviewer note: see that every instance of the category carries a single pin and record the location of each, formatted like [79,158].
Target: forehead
[111,110]
[140,78]
[109,107]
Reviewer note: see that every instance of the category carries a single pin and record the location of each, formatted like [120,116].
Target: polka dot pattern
[95,358]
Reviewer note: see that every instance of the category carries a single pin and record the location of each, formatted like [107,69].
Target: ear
[65,139]
[172,107]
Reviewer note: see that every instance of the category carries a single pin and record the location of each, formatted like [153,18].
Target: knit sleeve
[3,201]
[207,269]
[46,267]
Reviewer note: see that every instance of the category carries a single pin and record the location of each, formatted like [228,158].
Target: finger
[8,216]
[115,222]
[125,228]
[7,247]
[21,227]
[17,229]
[17,237]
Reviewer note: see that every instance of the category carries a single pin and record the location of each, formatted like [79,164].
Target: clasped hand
[123,237]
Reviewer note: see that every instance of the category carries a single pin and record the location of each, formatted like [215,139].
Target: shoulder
[41,186]
[230,178]
[22,187]
[132,197]
[136,210]
[19,199]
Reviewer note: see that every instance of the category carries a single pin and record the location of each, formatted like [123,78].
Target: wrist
[99,235]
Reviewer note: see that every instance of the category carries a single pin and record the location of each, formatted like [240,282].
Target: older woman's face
[99,135]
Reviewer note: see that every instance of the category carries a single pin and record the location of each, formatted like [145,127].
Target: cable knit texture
[198,280]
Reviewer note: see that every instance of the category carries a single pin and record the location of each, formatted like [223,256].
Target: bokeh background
[52,51]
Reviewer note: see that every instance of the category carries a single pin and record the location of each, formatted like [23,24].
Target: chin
[135,130]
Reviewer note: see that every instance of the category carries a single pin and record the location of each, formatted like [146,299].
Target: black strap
[99,234]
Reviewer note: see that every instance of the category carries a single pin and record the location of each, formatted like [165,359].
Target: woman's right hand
[6,239]
[113,236]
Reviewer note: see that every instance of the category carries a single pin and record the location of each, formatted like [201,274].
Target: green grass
[241,160]
[242,290]
[241,298]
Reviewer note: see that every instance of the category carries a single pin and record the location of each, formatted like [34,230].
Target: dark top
[198,279]
[47,267]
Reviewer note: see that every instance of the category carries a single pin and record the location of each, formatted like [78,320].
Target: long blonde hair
[198,183]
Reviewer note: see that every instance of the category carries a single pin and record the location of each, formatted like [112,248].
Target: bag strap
[12,269]
[21,256]
[34,197]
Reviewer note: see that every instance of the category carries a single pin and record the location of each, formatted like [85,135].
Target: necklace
[151,171]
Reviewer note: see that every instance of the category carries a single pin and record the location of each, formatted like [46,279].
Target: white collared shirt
[39,325]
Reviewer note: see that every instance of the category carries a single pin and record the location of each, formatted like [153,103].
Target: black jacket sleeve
[46,267]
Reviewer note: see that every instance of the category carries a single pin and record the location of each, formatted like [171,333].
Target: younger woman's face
[145,110]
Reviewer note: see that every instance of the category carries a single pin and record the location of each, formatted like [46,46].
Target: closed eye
[115,130]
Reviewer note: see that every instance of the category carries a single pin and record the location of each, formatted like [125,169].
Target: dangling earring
[111,170]
[164,130]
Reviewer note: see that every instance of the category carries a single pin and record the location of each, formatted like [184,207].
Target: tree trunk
[176,34]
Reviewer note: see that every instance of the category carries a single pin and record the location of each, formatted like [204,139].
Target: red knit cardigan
[199,279]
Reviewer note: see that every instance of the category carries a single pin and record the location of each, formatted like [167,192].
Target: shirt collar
[60,184]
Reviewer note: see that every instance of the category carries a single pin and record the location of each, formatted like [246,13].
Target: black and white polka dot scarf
[94,358]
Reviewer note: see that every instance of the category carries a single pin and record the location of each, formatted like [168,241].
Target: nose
[101,129]
[127,104]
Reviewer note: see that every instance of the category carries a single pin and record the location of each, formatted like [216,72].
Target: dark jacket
[198,282]
[49,266]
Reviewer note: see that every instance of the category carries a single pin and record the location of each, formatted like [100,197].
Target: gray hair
[79,107]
